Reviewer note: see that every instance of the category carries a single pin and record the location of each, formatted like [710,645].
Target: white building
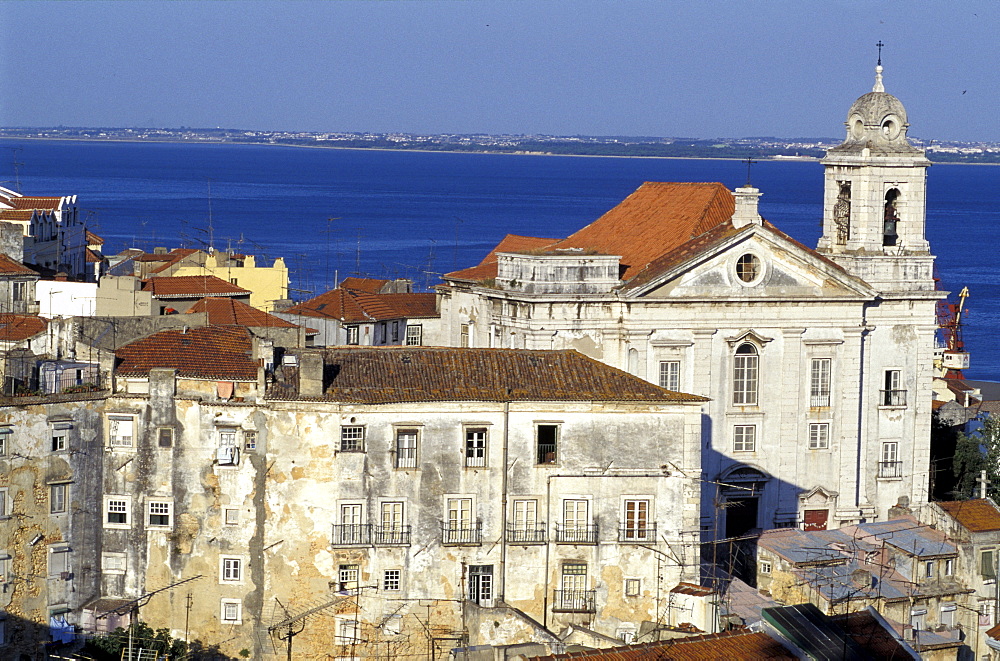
[818,363]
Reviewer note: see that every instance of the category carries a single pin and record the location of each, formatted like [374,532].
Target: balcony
[526,535]
[576,534]
[461,535]
[546,453]
[819,401]
[890,469]
[575,601]
[352,534]
[638,534]
[391,536]
[892,398]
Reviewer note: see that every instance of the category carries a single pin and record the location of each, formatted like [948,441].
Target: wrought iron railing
[461,535]
[892,398]
[391,535]
[526,534]
[575,601]
[352,534]
[890,469]
[576,534]
[638,533]
[546,453]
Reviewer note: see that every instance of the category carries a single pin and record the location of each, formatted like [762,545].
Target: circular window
[890,127]
[748,268]
[857,128]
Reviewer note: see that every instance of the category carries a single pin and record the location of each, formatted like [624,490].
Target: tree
[110,647]
[975,453]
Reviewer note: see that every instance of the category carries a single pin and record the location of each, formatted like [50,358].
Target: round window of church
[748,268]
[890,127]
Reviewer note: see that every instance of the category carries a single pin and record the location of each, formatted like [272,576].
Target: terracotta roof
[652,221]
[994,632]
[689,250]
[186,286]
[737,644]
[230,312]
[692,589]
[16,214]
[979,515]
[369,285]
[176,255]
[46,203]
[9,267]
[487,268]
[17,327]
[355,306]
[93,239]
[211,352]
[93,257]
[420,374]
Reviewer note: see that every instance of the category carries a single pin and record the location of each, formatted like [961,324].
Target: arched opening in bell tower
[890,218]
[842,213]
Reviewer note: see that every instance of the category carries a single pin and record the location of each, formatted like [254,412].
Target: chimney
[746,207]
[159,250]
[12,241]
[311,374]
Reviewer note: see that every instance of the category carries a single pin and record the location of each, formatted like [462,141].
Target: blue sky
[699,69]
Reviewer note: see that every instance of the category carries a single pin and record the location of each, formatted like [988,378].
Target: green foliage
[111,646]
[974,453]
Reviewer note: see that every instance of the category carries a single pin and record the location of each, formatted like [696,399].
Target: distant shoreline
[778,158]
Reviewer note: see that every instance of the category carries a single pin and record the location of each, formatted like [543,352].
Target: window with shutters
[636,526]
[121,431]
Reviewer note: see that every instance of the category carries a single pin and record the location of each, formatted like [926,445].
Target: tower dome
[877,121]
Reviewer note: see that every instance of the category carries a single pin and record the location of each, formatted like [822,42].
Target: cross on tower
[749,162]
[880,44]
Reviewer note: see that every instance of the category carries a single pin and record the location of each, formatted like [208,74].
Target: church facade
[817,362]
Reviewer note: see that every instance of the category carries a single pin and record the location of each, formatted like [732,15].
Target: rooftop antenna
[211,229]
[749,162]
[17,168]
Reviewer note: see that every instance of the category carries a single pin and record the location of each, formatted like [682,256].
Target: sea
[332,213]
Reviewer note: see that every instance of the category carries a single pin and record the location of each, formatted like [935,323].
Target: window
[352,528]
[636,526]
[113,563]
[890,217]
[819,382]
[60,437]
[59,561]
[4,575]
[159,514]
[3,503]
[547,437]
[574,594]
[395,332]
[819,436]
[948,609]
[57,498]
[414,335]
[949,567]
[228,453]
[765,566]
[893,394]
[987,565]
[347,631]
[232,516]
[352,439]
[232,611]
[19,291]
[890,466]
[525,525]
[459,516]
[633,587]
[481,584]
[116,511]
[745,376]
[475,447]
[348,576]
[120,430]
[576,527]
[392,518]
[250,440]
[748,267]
[392,624]
[406,448]
[6,433]
[670,374]
[744,438]
[352,335]
[918,619]
[230,570]
[929,569]
[391,579]
[464,336]
[165,437]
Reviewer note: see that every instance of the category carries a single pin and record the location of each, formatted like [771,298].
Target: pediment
[818,496]
[757,263]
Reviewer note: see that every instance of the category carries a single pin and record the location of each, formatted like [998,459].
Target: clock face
[857,127]
[890,127]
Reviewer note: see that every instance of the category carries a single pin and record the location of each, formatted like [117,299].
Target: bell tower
[874,204]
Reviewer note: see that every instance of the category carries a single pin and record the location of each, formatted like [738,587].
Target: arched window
[842,213]
[890,218]
[745,375]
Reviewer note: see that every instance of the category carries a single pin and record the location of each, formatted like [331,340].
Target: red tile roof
[230,312]
[487,268]
[9,267]
[16,214]
[423,374]
[369,285]
[187,286]
[979,515]
[92,257]
[212,352]
[176,255]
[654,220]
[46,203]
[17,327]
[349,305]
[739,644]
[93,239]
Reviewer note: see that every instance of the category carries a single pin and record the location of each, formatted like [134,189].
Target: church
[817,363]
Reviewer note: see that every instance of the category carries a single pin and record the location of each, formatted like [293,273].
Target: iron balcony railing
[546,453]
[892,398]
[461,535]
[526,534]
[391,535]
[575,601]
[576,534]
[475,461]
[352,534]
[819,400]
[643,534]
[890,469]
